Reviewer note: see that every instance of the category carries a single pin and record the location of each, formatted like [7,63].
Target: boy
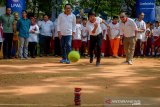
[33,38]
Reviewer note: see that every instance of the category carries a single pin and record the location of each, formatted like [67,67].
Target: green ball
[73,56]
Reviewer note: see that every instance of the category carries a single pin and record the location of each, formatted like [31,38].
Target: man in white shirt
[128,29]
[46,32]
[66,29]
[140,34]
[95,32]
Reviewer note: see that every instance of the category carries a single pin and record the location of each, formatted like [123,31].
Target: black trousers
[57,46]
[96,42]
[47,40]
[138,47]
[32,47]
[7,45]
[0,45]
[41,44]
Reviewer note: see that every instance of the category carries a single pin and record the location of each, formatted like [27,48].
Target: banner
[148,7]
[16,5]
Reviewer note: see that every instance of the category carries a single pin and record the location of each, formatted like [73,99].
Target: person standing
[140,35]
[46,32]
[15,36]
[96,37]
[23,26]
[7,23]
[114,36]
[128,29]
[1,36]
[33,38]
[66,30]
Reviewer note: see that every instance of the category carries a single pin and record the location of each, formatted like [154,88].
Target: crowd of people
[92,36]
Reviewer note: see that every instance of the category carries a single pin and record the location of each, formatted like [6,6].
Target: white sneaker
[130,63]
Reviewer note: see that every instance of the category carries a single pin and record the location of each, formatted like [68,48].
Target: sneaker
[125,62]
[97,64]
[63,61]
[130,63]
[68,62]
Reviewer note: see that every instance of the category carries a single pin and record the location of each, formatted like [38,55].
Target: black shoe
[5,57]
[91,60]
[97,63]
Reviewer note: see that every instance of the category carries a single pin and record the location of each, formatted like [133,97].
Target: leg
[132,43]
[26,47]
[5,46]
[34,49]
[126,46]
[112,46]
[92,46]
[21,40]
[48,41]
[63,42]
[68,44]
[99,45]
[10,41]
[41,44]
[116,46]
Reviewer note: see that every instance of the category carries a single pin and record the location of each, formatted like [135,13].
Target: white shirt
[156,31]
[114,30]
[55,32]
[90,26]
[141,25]
[104,30]
[66,24]
[128,28]
[78,32]
[33,37]
[84,33]
[46,28]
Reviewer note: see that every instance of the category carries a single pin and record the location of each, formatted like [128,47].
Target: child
[77,37]
[85,34]
[34,31]
[156,34]
[149,39]
[1,36]
[114,36]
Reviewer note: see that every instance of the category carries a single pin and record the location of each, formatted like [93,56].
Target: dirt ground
[44,82]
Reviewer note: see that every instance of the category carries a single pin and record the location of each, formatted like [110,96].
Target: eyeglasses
[121,17]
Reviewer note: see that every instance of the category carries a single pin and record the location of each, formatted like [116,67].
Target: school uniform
[33,40]
[95,39]
[114,35]
[77,37]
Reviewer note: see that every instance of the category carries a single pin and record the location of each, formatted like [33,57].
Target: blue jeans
[66,43]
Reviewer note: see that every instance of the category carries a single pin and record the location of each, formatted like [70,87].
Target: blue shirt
[23,26]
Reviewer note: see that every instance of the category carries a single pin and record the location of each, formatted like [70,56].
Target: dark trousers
[7,45]
[83,48]
[47,40]
[57,46]
[32,49]
[0,45]
[138,47]
[41,44]
[96,42]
